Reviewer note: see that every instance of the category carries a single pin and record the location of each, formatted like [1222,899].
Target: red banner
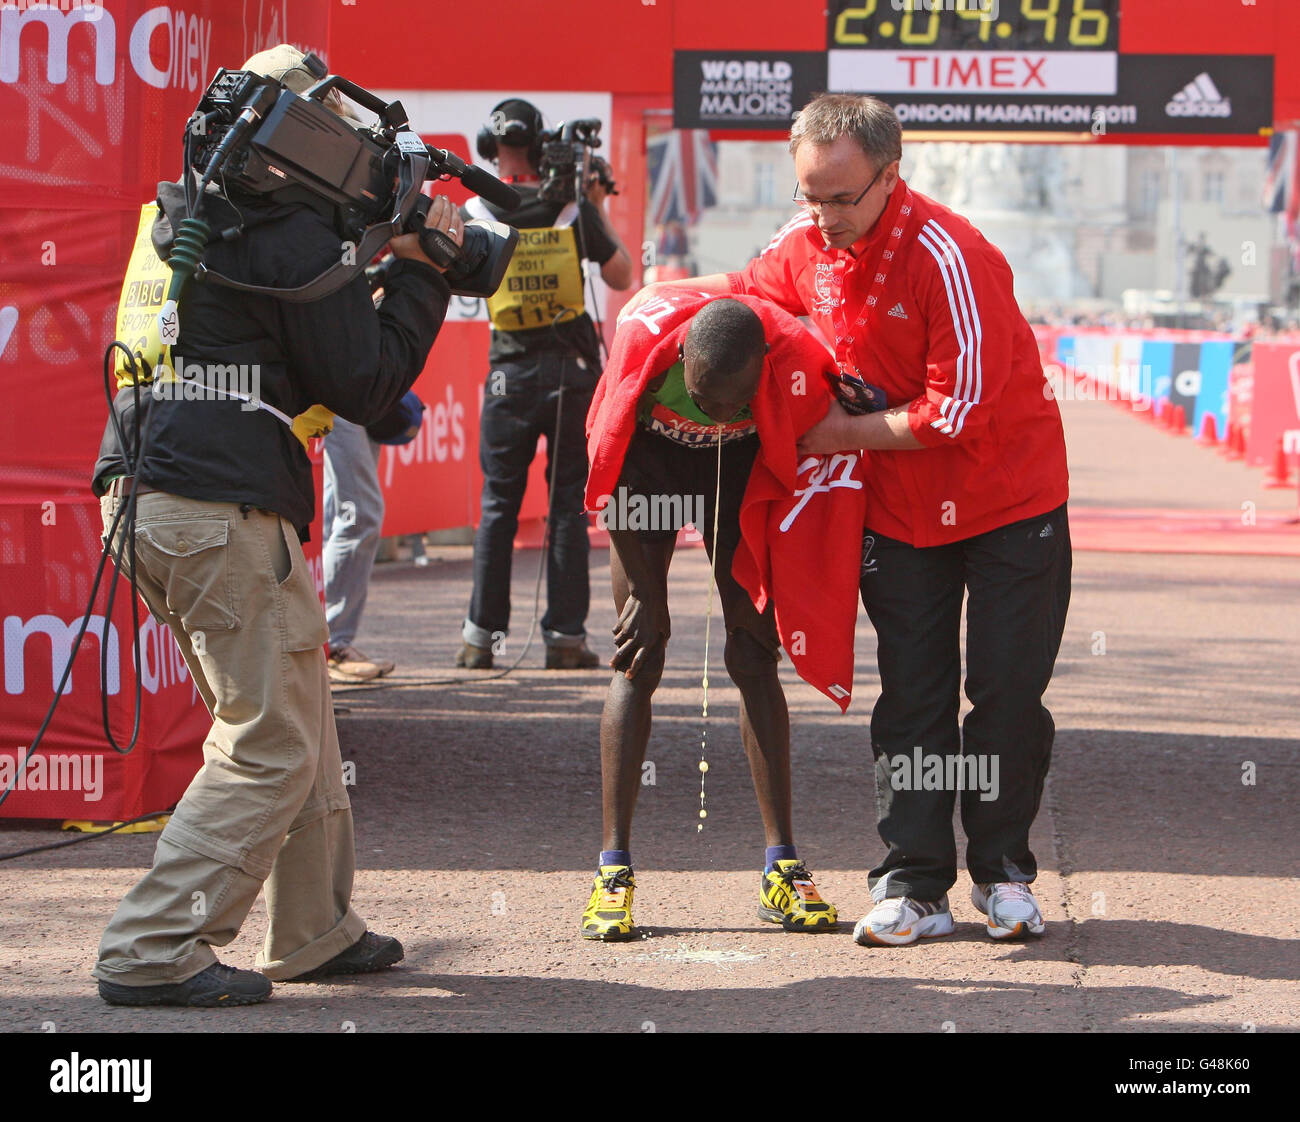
[434,482]
[93,103]
[1275,403]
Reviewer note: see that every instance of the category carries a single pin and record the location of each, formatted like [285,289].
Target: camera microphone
[475,178]
[251,114]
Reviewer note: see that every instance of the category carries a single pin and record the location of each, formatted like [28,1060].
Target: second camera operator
[225,496]
[544,363]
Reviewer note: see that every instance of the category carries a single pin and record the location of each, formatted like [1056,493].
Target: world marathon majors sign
[748,90]
[1225,95]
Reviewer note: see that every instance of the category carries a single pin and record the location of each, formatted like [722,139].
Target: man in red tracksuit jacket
[966,490]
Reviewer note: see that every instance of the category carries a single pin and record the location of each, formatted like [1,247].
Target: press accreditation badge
[140,308]
[543,283]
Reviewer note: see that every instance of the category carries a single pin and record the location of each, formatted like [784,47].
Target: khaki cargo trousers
[269,803]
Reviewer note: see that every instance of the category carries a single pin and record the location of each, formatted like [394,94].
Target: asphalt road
[1167,838]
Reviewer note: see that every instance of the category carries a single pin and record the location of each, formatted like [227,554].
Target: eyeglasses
[835,204]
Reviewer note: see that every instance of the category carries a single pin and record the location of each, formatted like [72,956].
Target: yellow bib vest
[144,292]
[543,284]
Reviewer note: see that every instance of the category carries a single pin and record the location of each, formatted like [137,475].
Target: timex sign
[1203,95]
[973,72]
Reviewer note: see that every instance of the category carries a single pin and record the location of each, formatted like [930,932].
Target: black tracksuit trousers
[1017,578]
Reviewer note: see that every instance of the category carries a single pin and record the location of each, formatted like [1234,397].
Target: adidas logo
[897,310]
[1046,531]
[1199,98]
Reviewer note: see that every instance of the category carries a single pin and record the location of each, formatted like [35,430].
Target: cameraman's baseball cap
[516,122]
[298,72]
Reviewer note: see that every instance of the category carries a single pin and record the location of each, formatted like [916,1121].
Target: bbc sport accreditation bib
[144,291]
[543,284]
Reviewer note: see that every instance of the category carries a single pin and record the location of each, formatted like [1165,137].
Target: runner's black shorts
[679,485]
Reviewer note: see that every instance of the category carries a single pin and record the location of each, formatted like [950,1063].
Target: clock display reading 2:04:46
[966,25]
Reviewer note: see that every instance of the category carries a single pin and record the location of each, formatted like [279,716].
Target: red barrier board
[1045,336]
[434,482]
[49,554]
[1275,403]
[94,100]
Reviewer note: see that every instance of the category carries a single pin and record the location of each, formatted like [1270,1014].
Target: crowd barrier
[1240,394]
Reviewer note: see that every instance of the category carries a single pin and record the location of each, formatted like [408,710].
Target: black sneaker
[368,954]
[216,986]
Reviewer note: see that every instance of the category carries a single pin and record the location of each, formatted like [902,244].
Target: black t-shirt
[575,335]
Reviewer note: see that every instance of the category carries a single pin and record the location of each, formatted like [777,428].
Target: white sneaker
[900,920]
[1010,907]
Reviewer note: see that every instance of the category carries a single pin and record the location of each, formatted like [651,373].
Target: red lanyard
[848,330]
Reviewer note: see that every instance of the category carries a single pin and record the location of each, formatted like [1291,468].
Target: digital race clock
[973,25]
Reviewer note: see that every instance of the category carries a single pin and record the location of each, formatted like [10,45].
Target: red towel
[800,522]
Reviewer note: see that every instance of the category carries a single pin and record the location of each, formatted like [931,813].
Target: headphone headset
[519,126]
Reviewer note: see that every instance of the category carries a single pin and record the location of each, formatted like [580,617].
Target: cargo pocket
[304,628]
[190,559]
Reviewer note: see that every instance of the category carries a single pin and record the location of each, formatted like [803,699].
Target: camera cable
[121,531]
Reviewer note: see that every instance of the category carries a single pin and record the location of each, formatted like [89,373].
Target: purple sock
[615,857]
[777,853]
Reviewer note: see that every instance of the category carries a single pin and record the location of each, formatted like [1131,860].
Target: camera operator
[544,363]
[225,497]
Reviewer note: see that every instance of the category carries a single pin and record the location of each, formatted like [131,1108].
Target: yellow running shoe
[788,896]
[608,915]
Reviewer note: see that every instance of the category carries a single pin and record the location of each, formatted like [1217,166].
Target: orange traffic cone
[1209,431]
[1177,421]
[1237,443]
[1279,474]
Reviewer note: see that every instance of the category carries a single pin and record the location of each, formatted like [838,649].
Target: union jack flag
[683,166]
[1281,193]
[1279,176]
